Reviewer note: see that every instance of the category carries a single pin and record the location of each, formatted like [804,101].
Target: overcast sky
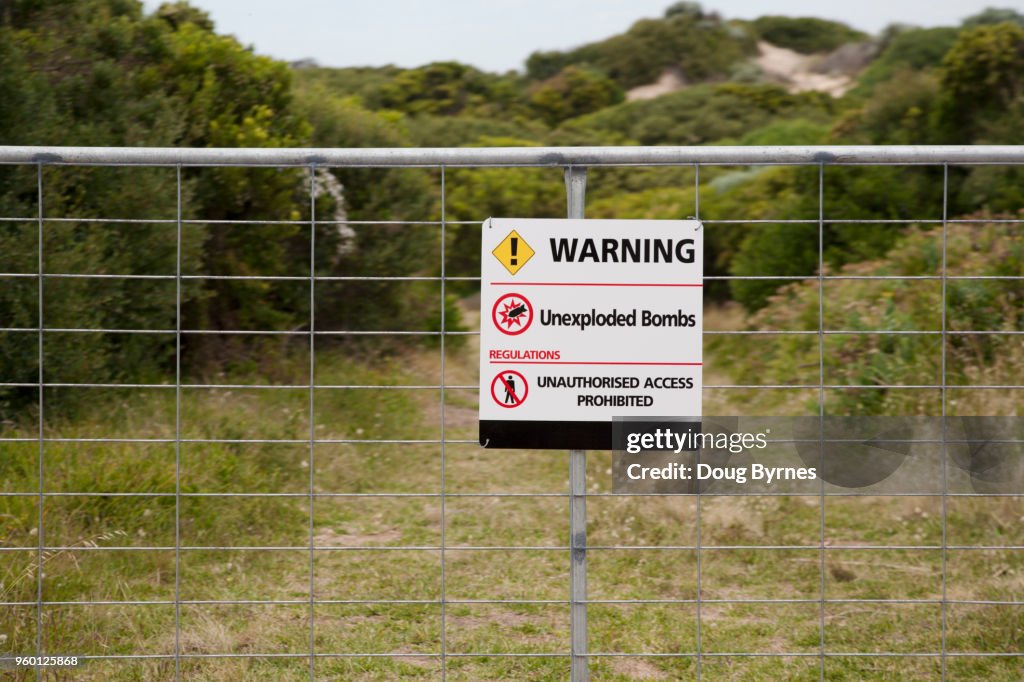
[498,35]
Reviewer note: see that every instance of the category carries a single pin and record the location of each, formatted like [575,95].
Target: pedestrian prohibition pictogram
[509,388]
[512,314]
[513,252]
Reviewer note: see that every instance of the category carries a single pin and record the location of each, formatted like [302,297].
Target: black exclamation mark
[515,248]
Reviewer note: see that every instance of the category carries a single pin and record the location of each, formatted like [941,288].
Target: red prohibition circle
[504,321]
[512,386]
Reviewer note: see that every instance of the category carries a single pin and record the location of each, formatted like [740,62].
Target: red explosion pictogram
[512,314]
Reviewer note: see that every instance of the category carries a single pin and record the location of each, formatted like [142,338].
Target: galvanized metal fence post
[575,195]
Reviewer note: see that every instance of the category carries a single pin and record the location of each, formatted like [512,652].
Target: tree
[982,77]
[806,34]
[993,15]
[573,92]
[701,46]
[911,48]
[447,89]
[686,9]
[100,72]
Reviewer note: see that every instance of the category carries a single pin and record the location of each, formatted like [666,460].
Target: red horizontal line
[589,284]
[560,362]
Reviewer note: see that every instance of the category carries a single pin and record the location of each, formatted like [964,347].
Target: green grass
[405,635]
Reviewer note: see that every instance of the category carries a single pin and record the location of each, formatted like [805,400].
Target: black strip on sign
[551,435]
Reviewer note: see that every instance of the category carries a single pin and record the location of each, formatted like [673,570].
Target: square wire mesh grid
[429,581]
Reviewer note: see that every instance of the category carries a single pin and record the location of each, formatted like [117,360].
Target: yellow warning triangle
[513,252]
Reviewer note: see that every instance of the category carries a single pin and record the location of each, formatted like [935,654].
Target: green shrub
[573,92]
[794,131]
[994,15]
[982,78]
[917,49]
[705,113]
[701,47]
[103,73]
[990,249]
[806,34]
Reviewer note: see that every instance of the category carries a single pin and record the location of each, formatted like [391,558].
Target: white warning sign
[583,321]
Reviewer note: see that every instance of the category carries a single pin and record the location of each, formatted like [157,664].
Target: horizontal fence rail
[518,156]
[815,548]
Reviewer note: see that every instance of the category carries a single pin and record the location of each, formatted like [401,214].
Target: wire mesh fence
[322,509]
